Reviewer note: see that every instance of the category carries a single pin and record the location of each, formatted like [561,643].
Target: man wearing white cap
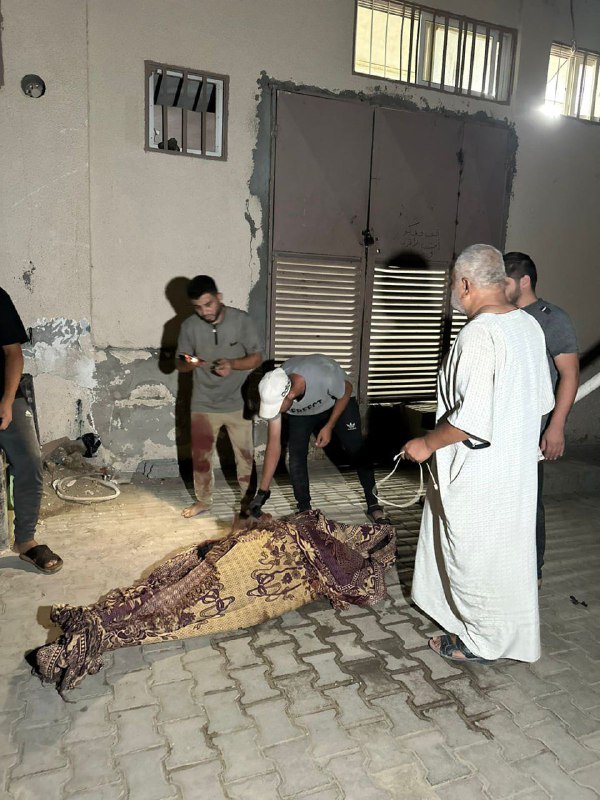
[315,393]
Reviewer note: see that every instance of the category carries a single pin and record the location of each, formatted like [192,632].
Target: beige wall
[134,220]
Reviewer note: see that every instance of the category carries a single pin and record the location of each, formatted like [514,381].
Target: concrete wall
[94,229]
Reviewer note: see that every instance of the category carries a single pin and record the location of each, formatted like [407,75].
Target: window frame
[221,83]
[505,72]
[571,108]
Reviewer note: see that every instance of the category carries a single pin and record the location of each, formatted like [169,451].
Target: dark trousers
[540,522]
[22,449]
[348,433]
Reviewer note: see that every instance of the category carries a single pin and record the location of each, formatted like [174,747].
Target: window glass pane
[174,123]
[194,132]
[155,112]
[214,116]
[191,96]
[557,82]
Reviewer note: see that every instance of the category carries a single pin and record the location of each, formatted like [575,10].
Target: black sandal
[40,556]
[383,520]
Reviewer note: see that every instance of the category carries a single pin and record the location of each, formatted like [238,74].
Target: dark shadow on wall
[591,355]
[176,294]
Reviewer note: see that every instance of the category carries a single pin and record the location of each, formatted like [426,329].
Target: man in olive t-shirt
[563,360]
[219,344]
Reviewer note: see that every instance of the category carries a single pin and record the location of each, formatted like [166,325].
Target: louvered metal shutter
[406,333]
[317,307]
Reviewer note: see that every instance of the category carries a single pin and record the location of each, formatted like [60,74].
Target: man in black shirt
[19,441]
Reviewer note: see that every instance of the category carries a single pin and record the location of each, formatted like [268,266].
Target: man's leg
[540,522]
[240,436]
[348,432]
[22,449]
[300,429]
[204,430]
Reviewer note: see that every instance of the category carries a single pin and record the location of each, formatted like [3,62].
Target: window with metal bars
[572,85]
[186,111]
[418,45]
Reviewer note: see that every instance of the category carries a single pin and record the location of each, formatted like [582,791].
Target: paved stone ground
[318,704]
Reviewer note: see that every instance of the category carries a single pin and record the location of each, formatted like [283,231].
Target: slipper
[40,556]
[448,647]
[380,520]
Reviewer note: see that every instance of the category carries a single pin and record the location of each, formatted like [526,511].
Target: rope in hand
[420,491]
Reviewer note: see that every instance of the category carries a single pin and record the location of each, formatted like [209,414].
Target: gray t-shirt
[234,337]
[558,331]
[325,383]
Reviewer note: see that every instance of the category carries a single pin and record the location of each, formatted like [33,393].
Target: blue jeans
[347,431]
[22,449]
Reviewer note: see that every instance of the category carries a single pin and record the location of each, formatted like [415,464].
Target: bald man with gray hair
[475,570]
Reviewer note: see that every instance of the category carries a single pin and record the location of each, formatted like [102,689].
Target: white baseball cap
[273,389]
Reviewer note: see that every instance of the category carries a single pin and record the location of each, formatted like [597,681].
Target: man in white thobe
[475,570]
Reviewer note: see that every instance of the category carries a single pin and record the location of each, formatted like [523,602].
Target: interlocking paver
[513,743]
[283,660]
[187,742]
[92,765]
[7,723]
[167,667]
[302,696]
[454,728]
[349,647]
[471,699]
[403,718]
[238,652]
[307,639]
[205,776]
[210,675]
[145,775]
[299,771]
[577,721]
[408,635]
[350,774]
[439,763]
[499,778]
[370,629]
[131,691]
[570,752]
[175,701]
[261,787]
[439,668]
[224,712]
[41,749]
[379,746]
[581,693]
[328,622]
[47,785]
[544,768]
[327,668]
[589,777]
[466,789]
[326,734]
[421,690]
[531,683]
[241,755]
[89,720]
[373,678]
[525,711]
[272,723]
[125,660]
[137,730]
[393,653]
[44,705]
[254,685]
[269,634]
[109,791]
[353,709]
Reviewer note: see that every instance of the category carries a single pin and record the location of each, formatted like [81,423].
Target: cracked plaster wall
[92,228]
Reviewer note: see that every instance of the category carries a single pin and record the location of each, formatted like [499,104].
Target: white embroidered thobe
[475,570]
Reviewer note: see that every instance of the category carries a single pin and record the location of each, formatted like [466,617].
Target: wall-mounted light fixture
[33,86]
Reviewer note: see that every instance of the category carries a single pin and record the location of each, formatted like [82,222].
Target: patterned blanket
[250,576]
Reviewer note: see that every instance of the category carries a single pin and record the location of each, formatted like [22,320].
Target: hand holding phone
[196,361]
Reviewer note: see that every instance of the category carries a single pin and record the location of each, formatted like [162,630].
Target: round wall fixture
[33,86]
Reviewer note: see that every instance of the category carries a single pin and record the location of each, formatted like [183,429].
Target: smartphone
[189,359]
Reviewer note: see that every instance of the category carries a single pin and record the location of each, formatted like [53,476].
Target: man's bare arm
[443,435]
[13,370]
[552,442]
[324,435]
[272,453]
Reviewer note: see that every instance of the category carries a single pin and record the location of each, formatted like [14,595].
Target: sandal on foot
[40,556]
[448,647]
[383,520]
